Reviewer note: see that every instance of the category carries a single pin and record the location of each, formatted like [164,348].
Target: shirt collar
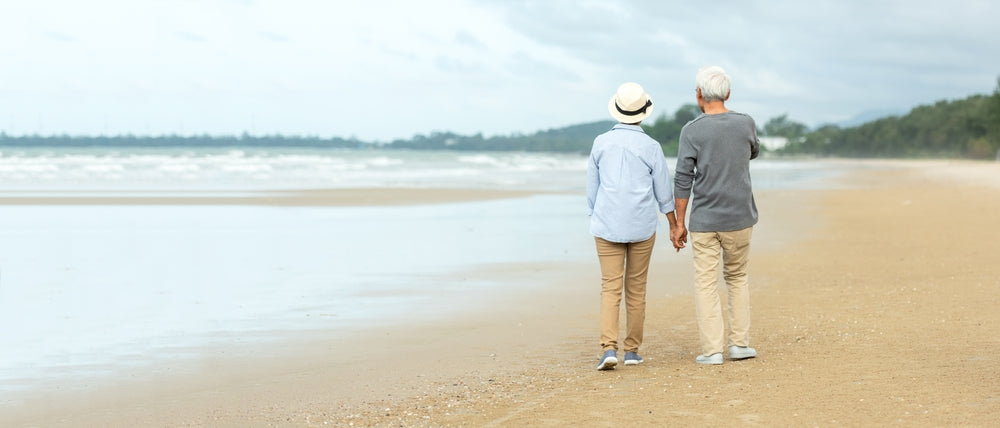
[628,127]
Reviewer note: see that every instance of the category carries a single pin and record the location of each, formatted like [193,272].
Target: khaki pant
[735,250]
[623,266]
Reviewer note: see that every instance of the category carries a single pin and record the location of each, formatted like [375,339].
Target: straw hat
[630,104]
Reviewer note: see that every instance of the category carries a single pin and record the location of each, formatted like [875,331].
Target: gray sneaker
[608,360]
[714,359]
[631,359]
[741,352]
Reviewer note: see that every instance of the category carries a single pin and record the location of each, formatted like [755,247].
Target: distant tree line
[575,138]
[967,128]
[667,129]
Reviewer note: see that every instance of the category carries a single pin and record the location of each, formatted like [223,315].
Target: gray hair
[713,82]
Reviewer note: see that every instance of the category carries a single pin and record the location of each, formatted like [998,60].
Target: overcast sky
[380,70]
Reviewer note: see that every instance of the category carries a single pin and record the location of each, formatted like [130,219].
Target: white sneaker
[741,352]
[715,358]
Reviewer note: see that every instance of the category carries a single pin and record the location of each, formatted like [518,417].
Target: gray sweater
[713,162]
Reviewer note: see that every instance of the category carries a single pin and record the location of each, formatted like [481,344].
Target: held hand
[678,236]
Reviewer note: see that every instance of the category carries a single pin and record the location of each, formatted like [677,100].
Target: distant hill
[586,131]
[869,116]
[574,138]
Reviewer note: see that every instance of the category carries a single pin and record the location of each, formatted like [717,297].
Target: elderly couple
[628,184]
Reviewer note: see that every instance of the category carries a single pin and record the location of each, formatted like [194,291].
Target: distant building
[773,143]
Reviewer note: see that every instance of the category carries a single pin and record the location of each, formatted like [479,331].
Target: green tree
[968,127]
[686,113]
[993,120]
[781,126]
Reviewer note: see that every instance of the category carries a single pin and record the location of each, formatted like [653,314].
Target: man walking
[713,162]
[627,185]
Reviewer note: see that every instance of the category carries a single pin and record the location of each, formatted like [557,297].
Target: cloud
[465,38]
[819,61]
[451,64]
[58,36]
[274,37]
[523,65]
[190,37]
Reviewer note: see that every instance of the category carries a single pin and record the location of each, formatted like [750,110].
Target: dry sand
[872,305]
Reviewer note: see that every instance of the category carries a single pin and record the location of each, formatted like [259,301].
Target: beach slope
[873,304]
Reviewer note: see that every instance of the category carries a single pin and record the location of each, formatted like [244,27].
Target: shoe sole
[632,362]
[608,364]
[741,353]
[709,362]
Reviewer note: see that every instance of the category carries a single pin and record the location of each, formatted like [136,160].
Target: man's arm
[678,232]
[683,182]
[687,161]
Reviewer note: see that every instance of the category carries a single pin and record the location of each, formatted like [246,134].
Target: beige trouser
[735,249]
[623,265]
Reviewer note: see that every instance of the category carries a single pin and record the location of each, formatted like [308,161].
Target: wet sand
[872,305]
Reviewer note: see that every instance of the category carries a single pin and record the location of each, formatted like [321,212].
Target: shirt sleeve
[755,142]
[662,190]
[593,183]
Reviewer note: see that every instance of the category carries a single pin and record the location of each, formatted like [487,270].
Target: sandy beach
[873,305]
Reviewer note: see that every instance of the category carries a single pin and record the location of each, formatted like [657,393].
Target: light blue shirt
[628,185]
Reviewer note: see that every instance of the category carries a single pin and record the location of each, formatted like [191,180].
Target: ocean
[94,290]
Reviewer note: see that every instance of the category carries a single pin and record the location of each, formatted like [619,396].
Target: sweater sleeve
[687,160]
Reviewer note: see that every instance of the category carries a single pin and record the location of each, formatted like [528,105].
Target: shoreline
[309,367]
[866,311]
[300,197]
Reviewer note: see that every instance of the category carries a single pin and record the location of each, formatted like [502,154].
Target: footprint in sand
[750,419]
